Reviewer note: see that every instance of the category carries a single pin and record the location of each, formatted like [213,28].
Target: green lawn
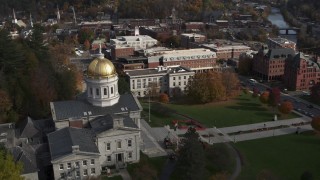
[111,178]
[241,110]
[146,165]
[285,157]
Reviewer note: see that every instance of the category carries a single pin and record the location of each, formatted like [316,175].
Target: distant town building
[227,51]
[268,64]
[170,80]
[301,72]
[188,39]
[279,42]
[136,42]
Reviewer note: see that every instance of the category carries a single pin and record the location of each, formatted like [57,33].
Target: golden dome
[101,68]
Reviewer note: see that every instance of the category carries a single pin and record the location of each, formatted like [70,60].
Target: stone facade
[76,166]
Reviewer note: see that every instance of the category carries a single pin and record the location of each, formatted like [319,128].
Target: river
[276,18]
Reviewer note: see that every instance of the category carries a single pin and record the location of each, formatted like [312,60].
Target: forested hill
[305,8]
[31,77]
[124,8]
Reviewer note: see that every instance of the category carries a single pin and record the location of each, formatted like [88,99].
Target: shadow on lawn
[267,115]
[246,108]
[248,104]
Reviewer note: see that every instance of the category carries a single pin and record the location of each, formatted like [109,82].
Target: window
[174,84]
[111,90]
[97,92]
[77,164]
[77,173]
[61,175]
[129,143]
[184,83]
[119,144]
[69,165]
[129,155]
[92,161]
[93,170]
[138,83]
[85,172]
[179,83]
[108,146]
[179,77]
[61,166]
[104,91]
[184,77]
[90,91]
[174,78]
[108,158]
[84,162]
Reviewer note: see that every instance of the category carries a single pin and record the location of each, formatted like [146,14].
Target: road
[299,104]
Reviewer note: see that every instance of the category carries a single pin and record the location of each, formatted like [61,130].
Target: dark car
[310,106]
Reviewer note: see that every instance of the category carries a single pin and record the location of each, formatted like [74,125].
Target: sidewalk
[150,145]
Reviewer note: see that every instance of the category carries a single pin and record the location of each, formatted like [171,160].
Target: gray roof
[27,129]
[142,72]
[61,142]
[295,61]
[25,155]
[282,53]
[7,134]
[103,123]
[76,108]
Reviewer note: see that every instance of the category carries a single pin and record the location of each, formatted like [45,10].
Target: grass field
[285,157]
[239,111]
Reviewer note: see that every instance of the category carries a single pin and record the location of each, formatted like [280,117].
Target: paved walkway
[150,144]
[124,174]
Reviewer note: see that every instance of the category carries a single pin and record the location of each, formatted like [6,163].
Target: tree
[191,160]
[286,107]
[274,96]
[255,92]
[206,87]
[85,34]
[8,168]
[231,82]
[315,123]
[5,106]
[164,98]
[245,65]
[264,97]
[123,85]
[315,93]
[86,44]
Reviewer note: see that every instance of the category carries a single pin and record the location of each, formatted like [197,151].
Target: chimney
[75,148]
[75,122]
[117,122]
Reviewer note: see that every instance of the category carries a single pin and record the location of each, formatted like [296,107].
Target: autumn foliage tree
[286,107]
[274,97]
[231,83]
[264,97]
[315,123]
[206,87]
[163,98]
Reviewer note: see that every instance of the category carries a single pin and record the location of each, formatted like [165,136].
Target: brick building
[193,26]
[198,60]
[268,64]
[228,51]
[188,39]
[120,51]
[301,72]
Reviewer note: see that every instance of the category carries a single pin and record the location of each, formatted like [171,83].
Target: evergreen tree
[191,161]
